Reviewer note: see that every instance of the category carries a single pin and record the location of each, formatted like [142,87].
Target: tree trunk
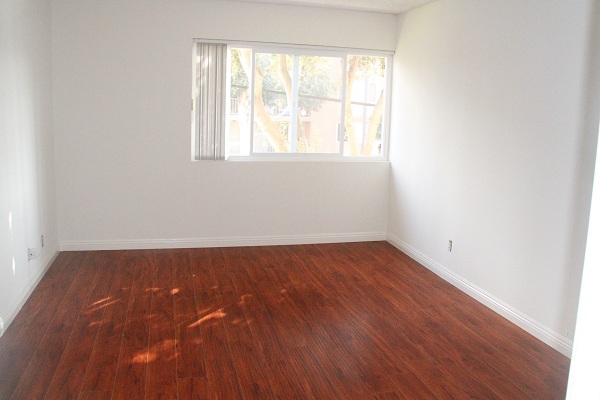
[284,75]
[262,117]
[374,122]
[349,117]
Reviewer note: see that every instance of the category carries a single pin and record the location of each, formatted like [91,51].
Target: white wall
[122,90]
[489,149]
[27,197]
[583,377]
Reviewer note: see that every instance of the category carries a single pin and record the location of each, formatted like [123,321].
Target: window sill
[303,158]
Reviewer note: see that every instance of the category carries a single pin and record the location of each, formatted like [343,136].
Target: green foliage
[273,89]
[314,81]
[370,66]
[239,79]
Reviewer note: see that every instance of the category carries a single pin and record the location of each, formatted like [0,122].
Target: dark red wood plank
[130,381]
[192,389]
[190,352]
[36,379]
[71,369]
[247,359]
[222,378]
[283,371]
[95,396]
[101,369]
[332,321]
[23,336]
[161,378]
[137,324]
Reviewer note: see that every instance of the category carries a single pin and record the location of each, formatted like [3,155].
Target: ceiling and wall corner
[382,6]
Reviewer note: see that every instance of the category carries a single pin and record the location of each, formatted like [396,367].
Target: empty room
[299,199]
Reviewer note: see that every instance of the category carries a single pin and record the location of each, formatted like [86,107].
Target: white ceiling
[385,6]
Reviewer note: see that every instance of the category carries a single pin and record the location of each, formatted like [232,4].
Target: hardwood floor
[331,321]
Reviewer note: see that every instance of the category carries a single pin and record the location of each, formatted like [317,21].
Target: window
[292,102]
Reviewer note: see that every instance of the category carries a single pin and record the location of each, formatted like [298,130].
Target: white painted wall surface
[489,150]
[122,89]
[27,197]
[583,376]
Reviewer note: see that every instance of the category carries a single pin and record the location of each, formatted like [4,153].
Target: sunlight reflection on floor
[214,315]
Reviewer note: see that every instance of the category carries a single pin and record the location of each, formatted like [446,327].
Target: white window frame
[307,50]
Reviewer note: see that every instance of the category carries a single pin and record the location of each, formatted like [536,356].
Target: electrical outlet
[450,245]
[32,253]
[42,241]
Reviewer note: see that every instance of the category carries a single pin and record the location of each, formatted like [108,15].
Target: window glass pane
[297,106]
[319,104]
[239,103]
[272,88]
[365,95]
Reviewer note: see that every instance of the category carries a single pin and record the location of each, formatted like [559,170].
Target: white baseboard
[24,295]
[219,242]
[540,331]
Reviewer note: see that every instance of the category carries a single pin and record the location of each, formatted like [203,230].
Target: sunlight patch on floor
[214,315]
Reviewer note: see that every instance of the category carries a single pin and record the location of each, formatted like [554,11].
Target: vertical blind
[211,100]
